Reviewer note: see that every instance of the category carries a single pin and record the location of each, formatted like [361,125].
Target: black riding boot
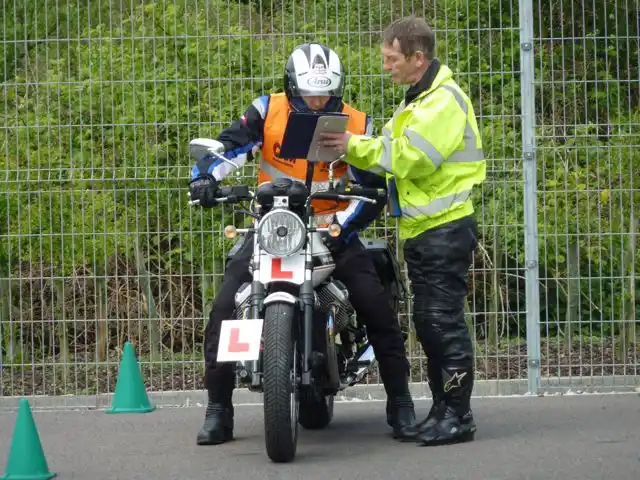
[401,414]
[218,421]
[434,378]
[455,423]
[218,425]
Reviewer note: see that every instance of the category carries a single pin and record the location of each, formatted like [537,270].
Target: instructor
[430,153]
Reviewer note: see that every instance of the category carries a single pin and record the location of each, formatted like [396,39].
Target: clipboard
[303,131]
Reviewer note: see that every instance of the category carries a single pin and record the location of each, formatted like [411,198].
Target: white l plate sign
[240,340]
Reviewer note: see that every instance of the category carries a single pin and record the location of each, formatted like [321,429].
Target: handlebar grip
[365,191]
[224,192]
[234,193]
[326,196]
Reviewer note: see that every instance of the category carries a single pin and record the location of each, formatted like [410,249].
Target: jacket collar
[424,83]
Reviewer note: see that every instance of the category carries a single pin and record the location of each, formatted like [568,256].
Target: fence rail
[98,246]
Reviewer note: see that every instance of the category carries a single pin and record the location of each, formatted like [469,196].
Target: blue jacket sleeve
[241,140]
[359,215]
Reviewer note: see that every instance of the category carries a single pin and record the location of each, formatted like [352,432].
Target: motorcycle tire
[280,391]
[316,415]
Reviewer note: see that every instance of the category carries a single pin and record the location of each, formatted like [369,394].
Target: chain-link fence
[100,99]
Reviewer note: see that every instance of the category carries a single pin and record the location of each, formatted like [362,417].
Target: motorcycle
[295,337]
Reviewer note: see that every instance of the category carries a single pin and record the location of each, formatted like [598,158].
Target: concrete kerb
[359,393]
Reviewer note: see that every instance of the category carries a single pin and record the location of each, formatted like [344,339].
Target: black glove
[335,244]
[204,189]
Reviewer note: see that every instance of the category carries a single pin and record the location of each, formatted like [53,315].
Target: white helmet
[313,70]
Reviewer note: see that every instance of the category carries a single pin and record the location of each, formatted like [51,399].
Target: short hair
[413,34]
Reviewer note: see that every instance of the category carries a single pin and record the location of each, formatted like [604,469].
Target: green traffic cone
[26,457]
[131,394]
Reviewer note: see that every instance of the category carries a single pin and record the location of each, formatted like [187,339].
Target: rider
[313,80]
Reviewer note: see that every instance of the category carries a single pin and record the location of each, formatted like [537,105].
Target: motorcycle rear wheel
[316,414]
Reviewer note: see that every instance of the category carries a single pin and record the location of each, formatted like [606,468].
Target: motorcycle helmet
[313,69]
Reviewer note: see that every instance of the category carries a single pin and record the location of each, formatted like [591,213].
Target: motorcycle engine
[334,297]
[242,300]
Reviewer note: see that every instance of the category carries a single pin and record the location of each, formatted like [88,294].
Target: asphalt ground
[585,437]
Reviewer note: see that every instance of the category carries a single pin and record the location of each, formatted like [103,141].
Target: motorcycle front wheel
[280,383]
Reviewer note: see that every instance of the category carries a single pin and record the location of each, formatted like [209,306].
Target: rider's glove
[204,188]
[335,244]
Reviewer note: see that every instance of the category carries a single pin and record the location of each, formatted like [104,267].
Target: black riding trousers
[438,263]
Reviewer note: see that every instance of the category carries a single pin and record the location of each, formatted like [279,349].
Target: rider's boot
[218,421]
[400,409]
[434,378]
[455,422]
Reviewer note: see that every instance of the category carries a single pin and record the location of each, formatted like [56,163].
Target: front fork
[250,372]
[307,298]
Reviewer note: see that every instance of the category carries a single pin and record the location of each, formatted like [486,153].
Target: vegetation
[100,99]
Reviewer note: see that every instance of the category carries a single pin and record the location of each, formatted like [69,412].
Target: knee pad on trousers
[442,330]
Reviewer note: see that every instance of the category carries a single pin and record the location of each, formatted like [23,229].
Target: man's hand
[204,189]
[336,141]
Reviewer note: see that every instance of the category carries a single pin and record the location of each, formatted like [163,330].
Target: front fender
[280,297]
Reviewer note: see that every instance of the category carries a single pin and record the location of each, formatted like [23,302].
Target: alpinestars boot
[218,424]
[455,422]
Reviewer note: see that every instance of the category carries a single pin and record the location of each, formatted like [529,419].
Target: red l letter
[276,269]
[235,345]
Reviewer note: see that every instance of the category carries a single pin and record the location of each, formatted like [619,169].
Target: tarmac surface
[585,437]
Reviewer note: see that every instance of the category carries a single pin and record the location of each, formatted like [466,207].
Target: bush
[101,101]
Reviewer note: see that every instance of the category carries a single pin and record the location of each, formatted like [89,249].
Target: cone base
[130,410]
[37,476]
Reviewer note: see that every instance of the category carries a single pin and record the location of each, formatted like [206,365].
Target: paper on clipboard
[326,124]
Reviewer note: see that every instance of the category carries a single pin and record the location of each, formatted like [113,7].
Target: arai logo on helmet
[319,81]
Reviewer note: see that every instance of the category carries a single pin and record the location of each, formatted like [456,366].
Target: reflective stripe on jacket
[431,155]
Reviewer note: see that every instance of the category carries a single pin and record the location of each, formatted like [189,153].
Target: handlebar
[353,192]
[230,194]
[239,193]
[376,193]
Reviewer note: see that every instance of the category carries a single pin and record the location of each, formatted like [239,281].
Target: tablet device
[301,129]
[326,124]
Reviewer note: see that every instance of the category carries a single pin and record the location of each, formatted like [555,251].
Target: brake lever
[357,197]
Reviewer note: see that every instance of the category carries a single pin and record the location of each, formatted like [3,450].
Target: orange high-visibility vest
[272,167]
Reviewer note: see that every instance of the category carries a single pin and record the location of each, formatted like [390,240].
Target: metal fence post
[530,201]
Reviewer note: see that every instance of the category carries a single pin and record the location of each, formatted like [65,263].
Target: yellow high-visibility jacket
[431,155]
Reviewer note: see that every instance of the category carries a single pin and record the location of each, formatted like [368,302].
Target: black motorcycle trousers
[438,263]
[354,268]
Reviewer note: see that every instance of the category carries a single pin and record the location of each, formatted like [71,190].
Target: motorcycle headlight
[281,233]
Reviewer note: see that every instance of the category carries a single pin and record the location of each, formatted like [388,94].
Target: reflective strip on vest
[470,153]
[274,173]
[435,206]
